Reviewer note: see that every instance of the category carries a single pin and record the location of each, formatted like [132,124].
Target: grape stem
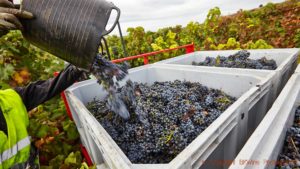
[294,145]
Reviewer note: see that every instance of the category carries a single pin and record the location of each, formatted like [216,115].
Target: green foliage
[273,25]
[115,46]
[259,44]
[73,160]
[21,62]
[253,22]
[136,41]
[211,23]
[55,136]
[233,30]
[164,42]
[161,43]
[297,38]
[232,44]
[190,34]
[70,128]
[6,70]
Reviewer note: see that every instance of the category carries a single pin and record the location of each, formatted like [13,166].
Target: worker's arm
[38,92]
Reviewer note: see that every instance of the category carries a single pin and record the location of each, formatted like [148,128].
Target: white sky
[155,14]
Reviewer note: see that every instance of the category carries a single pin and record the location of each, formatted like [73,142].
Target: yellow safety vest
[14,148]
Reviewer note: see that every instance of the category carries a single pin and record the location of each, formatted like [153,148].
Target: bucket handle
[106,32]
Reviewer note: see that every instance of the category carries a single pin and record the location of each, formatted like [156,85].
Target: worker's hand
[85,75]
[9,17]
[80,74]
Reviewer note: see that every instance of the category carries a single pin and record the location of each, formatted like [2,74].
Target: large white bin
[265,144]
[286,60]
[222,140]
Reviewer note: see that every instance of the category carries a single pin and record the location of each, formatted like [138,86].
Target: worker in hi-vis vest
[16,150]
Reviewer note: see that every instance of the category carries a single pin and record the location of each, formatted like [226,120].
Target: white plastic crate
[297,69]
[265,144]
[286,60]
[221,140]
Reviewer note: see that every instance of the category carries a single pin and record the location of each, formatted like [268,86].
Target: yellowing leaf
[17,78]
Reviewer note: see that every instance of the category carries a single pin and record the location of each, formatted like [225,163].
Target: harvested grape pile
[239,60]
[289,157]
[165,117]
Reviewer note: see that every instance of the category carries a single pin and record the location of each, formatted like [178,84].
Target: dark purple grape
[238,60]
[165,117]
[108,74]
[289,156]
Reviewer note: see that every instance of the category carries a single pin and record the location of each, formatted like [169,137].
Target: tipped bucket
[69,29]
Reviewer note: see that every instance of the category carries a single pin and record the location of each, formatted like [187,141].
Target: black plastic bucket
[69,29]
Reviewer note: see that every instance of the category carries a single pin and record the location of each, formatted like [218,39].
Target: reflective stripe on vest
[7,154]
[15,145]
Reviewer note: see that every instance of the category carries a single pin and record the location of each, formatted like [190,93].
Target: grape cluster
[239,60]
[289,158]
[108,74]
[165,117]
